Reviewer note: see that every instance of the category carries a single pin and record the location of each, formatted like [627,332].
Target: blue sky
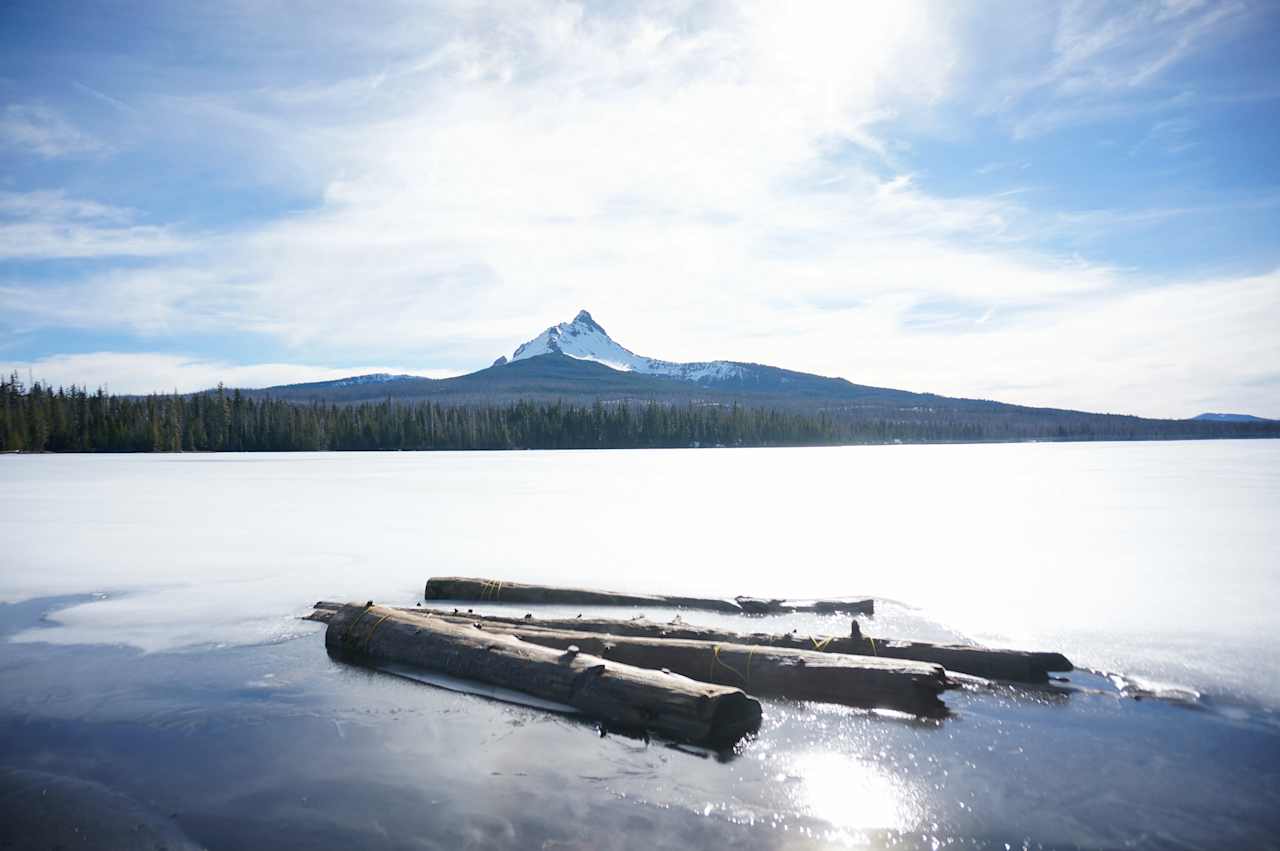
[1070,204]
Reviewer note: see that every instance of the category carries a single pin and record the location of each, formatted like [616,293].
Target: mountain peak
[582,338]
[585,339]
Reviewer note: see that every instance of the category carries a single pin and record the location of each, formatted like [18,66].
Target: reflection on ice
[428,763]
[851,794]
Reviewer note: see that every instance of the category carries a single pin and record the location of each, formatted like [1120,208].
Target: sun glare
[852,794]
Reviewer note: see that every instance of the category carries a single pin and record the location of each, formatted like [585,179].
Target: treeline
[41,419]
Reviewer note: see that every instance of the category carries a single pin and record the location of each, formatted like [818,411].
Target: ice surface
[1158,561]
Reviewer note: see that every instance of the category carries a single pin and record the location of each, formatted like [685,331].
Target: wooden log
[991,663]
[633,698]
[466,589]
[798,674]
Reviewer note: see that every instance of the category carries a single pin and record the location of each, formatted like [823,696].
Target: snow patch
[584,339]
[372,378]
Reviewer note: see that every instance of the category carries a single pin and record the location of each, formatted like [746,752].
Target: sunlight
[853,794]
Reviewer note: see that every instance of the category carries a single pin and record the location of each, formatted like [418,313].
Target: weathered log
[906,686]
[630,697]
[465,589]
[989,662]
[993,663]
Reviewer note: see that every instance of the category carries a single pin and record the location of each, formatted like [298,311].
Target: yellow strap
[488,586]
[347,635]
[873,646]
[715,660]
[821,645]
[369,636]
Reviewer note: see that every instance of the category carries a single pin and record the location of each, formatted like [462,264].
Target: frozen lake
[152,652]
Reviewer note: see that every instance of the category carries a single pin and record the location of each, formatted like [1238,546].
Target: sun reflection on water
[852,794]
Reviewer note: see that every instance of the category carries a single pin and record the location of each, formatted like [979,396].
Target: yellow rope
[821,645]
[369,636]
[715,659]
[873,646]
[347,635]
[490,586]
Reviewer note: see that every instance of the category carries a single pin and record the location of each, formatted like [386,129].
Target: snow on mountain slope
[584,339]
[371,378]
[1230,418]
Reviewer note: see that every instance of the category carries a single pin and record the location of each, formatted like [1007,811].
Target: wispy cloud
[104,97]
[1107,59]
[713,180]
[49,225]
[44,131]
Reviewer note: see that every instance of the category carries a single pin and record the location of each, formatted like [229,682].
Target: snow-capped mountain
[578,363]
[584,339]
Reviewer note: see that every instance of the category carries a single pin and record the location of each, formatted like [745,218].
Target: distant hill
[1231,418]
[570,387]
[578,363]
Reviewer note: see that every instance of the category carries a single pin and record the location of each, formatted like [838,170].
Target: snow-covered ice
[1154,559]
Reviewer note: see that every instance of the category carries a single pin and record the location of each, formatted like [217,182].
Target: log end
[736,715]
[1054,662]
[844,607]
[758,605]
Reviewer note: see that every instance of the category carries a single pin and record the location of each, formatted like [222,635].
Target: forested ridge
[43,419]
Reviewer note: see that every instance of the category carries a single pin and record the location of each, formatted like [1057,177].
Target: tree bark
[992,663]
[465,589]
[902,685]
[630,697]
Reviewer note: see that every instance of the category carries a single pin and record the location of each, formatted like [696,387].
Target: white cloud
[1169,351]
[151,372]
[710,180]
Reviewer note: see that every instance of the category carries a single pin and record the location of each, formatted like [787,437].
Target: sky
[1064,204]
